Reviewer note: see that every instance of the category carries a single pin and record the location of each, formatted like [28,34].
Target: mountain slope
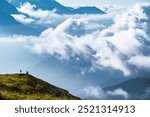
[6,19]
[42,4]
[138,88]
[9,26]
[8,8]
[88,10]
[60,9]
[25,86]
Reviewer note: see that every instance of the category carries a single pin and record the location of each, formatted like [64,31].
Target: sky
[98,3]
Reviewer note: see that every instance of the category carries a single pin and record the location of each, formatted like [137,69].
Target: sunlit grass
[27,87]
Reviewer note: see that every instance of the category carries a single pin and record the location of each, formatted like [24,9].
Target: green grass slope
[27,87]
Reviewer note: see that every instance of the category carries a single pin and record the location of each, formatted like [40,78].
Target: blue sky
[99,2]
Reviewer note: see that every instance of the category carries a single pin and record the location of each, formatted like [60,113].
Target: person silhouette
[27,72]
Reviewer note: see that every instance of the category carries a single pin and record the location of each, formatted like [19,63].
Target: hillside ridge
[25,86]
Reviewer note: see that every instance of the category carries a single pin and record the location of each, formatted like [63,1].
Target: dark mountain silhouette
[60,9]
[138,88]
[88,10]
[26,86]
[8,26]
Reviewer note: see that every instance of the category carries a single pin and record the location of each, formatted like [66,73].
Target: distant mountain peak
[9,26]
[52,4]
[135,87]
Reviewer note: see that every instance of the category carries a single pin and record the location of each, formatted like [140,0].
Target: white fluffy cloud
[95,92]
[39,15]
[140,61]
[110,41]
[118,92]
[27,8]
[23,19]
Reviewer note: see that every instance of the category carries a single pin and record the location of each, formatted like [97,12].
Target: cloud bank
[118,92]
[113,41]
[93,92]
[40,16]
[23,19]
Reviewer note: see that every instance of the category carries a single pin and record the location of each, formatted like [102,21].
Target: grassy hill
[27,87]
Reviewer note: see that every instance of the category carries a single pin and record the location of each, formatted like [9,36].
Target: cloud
[140,61]
[29,9]
[109,47]
[118,92]
[95,92]
[23,19]
[109,41]
[39,15]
